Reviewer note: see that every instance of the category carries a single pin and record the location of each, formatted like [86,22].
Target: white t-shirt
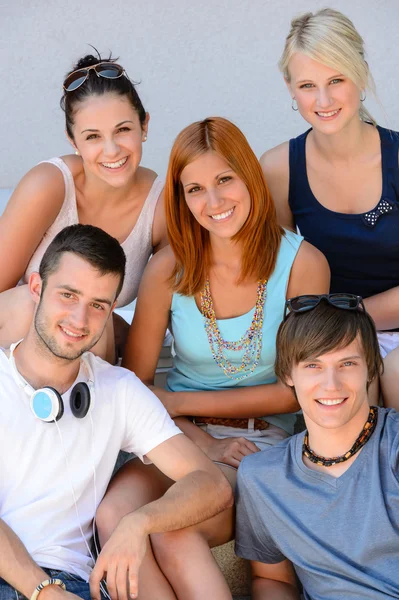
[36,498]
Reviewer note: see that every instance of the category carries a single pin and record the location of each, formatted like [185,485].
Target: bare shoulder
[42,187]
[161,265]
[275,166]
[74,164]
[310,273]
[274,162]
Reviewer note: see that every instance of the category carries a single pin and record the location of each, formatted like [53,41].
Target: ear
[289,87]
[70,140]
[144,126]
[288,381]
[35,285]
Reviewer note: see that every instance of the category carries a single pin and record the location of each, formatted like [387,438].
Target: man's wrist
[49,592]
[137,523]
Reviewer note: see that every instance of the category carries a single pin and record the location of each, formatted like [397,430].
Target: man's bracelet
[44,584]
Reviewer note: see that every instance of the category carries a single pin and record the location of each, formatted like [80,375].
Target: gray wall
[194,59]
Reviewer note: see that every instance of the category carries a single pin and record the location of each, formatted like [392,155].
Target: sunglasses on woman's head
[107,70]
[301,304]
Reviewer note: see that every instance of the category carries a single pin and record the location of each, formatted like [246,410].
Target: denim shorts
[74,584]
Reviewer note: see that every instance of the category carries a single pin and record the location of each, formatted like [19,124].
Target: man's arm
[200,492]
[19,570]
[274,582]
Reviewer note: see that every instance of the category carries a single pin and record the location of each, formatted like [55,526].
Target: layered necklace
[250,342]
[362,438]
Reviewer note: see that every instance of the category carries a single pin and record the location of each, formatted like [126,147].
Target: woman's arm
[151,316]
[159,231]
[275,166]
[31,210]
[384,309]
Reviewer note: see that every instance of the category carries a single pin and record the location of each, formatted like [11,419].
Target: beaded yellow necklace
[250,342]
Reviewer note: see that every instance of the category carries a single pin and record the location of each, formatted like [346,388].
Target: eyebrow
[117,125]
[317,360]
[216,177]
[329,78]
[79,293]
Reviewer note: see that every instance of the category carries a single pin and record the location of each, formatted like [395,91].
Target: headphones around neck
[47,404]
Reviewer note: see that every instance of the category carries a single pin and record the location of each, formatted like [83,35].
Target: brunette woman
[103,184]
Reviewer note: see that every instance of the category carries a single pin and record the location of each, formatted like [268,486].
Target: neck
[102,194]
[40,367]
[225,252]
[330,443]
[344,145]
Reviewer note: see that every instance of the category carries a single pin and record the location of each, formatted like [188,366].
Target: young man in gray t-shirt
[324,504]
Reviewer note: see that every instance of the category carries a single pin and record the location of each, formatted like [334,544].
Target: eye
[92,136]
[311,366]
[349,363]
[123,129]
[66,295]
[225,178]
[97,306]
[337,80]
[306,86]
[194,189]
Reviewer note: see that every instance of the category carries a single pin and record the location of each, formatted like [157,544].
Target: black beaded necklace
[362,438]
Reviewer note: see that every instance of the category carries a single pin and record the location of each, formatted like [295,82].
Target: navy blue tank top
[362,249]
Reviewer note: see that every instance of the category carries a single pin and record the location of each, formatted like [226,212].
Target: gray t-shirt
[341,534]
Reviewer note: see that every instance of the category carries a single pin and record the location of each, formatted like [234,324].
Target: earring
[77,152]
[364,97]
[145,137]
[294,106]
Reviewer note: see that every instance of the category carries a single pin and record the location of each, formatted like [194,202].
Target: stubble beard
[49,343]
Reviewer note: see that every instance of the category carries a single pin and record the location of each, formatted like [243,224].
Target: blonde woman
[338,182]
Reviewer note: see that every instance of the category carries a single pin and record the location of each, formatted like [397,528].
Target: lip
[71,338]
[330,118]
[224,219]
[117,169]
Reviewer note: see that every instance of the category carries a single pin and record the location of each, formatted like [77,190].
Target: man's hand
[120,560]
[230,451]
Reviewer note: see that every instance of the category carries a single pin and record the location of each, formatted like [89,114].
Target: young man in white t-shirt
[58,446]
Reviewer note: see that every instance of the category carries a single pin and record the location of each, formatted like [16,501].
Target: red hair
[259,237]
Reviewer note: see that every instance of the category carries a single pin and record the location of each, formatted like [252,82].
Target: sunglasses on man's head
[301,304]
[107,70]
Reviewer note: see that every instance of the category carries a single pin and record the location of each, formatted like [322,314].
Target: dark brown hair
[324,329]
[98,248]
[98,86]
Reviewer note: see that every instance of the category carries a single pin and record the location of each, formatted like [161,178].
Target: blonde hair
[330,38]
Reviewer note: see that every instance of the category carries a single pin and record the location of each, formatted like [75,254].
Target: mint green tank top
[194,368]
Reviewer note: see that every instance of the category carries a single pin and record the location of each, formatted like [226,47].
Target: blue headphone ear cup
[80,400]
[47,405]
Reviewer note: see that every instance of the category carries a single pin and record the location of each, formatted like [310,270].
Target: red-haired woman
[222,285]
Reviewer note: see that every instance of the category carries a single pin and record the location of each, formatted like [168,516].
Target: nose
[331,381]
[214,198]
[111,148]
[324,97]
[78,317]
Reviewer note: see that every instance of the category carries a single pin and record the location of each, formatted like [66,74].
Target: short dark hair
[326,328]
[97,86]
[94,245]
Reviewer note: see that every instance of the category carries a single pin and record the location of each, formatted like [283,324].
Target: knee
[174,548]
